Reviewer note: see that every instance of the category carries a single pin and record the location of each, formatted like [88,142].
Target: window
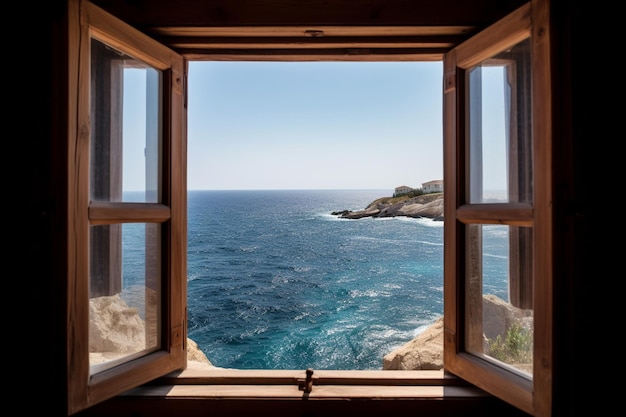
[280,145]
[524,216]
[144,299]
[115,284]
[495,178]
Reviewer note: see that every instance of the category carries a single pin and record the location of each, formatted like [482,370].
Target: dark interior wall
[144,14]
[40,161]
[583,134]
[565,228]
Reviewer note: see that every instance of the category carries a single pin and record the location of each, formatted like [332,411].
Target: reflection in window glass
[126,127]
[500,323]
[124,313]
[499,128]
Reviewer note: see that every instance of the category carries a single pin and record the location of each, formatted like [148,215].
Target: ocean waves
[275,282]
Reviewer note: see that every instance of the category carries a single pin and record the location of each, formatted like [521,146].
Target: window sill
[277,392]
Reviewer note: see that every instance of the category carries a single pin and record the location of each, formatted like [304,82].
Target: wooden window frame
[120,390]
[86,21]
[531,395]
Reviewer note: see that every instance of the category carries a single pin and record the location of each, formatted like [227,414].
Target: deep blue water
[277,282]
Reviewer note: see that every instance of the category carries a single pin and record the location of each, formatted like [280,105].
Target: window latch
[306,385]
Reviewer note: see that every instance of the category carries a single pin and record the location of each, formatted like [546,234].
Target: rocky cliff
[426,350]
[426,205]
[115,330]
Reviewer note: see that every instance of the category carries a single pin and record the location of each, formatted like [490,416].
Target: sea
[276,281]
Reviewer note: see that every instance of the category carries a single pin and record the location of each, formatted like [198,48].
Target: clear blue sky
[315,125]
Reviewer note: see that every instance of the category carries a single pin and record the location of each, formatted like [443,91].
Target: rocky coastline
[109,340]
[422,206]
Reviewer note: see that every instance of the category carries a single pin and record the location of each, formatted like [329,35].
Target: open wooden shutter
[501,343]
[126,285]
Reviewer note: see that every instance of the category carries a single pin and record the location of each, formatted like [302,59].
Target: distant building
[435,186]
[403,189]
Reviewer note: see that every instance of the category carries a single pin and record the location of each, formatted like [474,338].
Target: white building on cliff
[435,186]
[403,189]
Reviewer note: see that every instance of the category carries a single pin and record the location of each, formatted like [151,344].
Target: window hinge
[306,385]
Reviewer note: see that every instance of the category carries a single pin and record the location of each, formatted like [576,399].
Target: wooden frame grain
[86,22]
[534,395]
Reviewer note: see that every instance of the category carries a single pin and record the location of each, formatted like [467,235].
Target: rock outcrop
[426,205]
[196,359]
[425,351]
[115,330]
[114,327]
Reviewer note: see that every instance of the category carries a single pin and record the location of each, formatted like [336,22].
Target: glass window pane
[125,293]
[499,128]
[499,306]
[125,127]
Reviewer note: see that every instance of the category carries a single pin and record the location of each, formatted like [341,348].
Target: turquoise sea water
[277,282]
